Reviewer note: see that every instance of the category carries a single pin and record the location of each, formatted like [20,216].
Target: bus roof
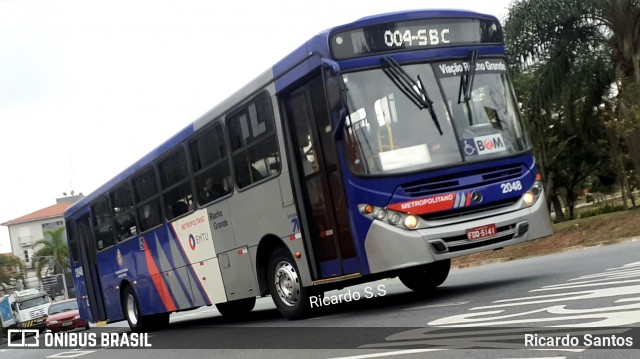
[317,44]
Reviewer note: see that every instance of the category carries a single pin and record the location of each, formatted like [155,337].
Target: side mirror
[13,307]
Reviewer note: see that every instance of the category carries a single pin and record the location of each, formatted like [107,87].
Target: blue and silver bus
[380,148]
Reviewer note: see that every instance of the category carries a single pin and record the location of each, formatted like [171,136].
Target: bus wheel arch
[289,295]
[133,315]
[268,245]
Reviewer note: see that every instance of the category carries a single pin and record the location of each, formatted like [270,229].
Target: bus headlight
[380,214]
[398,219]
[528,198]
[531,196]
[394,218]
[411,221]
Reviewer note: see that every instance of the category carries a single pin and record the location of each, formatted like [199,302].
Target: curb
[563,250]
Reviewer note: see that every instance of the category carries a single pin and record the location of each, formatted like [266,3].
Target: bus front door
[95,299]
[324,217]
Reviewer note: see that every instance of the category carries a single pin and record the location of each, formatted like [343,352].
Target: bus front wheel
[426,278]
[138,322]
[236,307]
[285,284]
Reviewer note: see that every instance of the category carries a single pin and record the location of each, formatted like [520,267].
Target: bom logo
[484,145]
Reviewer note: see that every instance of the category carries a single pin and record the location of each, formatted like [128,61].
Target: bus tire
[236,307]
[426,278]
[137,322]
[289,295]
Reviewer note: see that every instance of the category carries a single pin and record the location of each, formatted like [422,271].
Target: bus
[377,149]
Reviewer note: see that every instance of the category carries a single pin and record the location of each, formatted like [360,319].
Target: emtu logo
[197,239]
[192,242]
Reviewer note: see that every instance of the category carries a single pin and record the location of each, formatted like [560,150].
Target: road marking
[330,317]
[71,354]
[438,305]
[619,309]
[388,354]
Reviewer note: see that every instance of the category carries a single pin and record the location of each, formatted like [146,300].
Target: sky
[87,87]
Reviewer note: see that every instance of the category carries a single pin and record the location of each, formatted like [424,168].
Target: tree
[53,253]
[11,268]
[570,55]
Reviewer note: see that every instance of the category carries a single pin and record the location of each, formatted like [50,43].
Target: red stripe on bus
[158,282]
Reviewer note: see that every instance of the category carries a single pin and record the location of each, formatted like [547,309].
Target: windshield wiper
[414,90]
[466,84]
[466,79]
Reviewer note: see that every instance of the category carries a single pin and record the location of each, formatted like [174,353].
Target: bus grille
[463,180]
[461,243]
[470,210]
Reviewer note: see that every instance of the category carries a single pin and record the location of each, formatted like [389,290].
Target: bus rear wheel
[285,284]
[138,322]
[426,278]
[236,307]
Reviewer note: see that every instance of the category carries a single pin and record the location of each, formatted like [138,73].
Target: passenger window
[148,202]
[210,161]
[253,142]
[124,214]
[174,175]
[73,240]
[150,214]
[145,185]
[102,224]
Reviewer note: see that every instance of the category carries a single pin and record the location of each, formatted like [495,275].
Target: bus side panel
[107,266]
[196,242]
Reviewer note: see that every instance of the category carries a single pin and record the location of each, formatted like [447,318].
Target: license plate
[66,324]
[481,232]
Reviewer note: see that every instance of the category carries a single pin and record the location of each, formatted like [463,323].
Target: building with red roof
[25,232]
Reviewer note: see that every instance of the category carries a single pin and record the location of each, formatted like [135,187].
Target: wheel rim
[132,309]
[287,283]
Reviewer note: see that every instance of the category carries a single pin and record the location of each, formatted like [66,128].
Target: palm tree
[11,268]
[53,250]
[552,30]
[573,53]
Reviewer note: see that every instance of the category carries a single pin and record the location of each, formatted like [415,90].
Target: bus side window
[73,241]
[148,202]
[102,223]
[124,214]
[176,184]
[211,165]
[254,144]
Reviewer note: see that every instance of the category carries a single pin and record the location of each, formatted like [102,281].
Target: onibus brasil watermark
[19,338]
[317,301]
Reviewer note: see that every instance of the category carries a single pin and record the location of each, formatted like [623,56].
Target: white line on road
[330,317]
[438,305]
[71,354]
[388,354]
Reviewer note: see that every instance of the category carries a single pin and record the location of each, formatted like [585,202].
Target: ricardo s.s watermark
[317,301]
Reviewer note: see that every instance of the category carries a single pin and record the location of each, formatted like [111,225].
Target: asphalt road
[588,297]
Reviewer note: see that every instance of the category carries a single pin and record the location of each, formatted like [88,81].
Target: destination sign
[414,35]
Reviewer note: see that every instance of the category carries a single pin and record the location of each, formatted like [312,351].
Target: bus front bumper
[390,248]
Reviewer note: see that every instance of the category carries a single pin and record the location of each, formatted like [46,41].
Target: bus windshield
[388,132]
